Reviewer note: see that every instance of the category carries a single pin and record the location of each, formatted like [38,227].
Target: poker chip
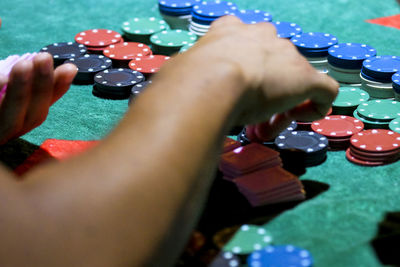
[381,68]
[287,30]
[171,41]
[358,161]
[149,64]
[314,44]
[383,110]
[377,88]
[214,8]
[253,16]
[88,65]
[140,29]
[247,239]
[127,51]
[138,89]
[225,259]
[185,48]
[64,51]
[376,140]
[348,99]
[98,37]
[349,55]
[396,82]
[394,125]
[281,256]
[177,4]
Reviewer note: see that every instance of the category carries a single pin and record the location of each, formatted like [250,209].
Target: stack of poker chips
[256,170]
[396,85]
[137,89]
[313,146]
[338,129]
[88,65]
[96,40]
[345,62]
[394,125]
[148,65]
[283,255]
[374,147]
[287,30]
[7,64]
[314,46]
[116,83]
[205,12]
[377,114]
[140,29]
[177,13]
[169,42]
[376,75]
[122,53]
[348,99]
[247,239]
[64,51]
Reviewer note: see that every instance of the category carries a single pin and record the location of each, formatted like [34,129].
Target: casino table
[337,224]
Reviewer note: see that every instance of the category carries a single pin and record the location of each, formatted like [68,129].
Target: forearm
[119,200]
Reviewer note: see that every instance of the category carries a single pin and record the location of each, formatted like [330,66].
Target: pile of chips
[348,99]
[377,114]
[345,61]
[374,147]
[177,13]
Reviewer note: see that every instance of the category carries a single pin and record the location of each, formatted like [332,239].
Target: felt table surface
[337,225]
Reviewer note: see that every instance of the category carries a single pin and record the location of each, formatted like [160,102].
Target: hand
[279,82]
[32,88]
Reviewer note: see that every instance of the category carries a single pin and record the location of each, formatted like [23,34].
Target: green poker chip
[144,26]
[370,124]
[173,38]
[350,97]
[383,110]
[186,48]
[247,239]
[394,125]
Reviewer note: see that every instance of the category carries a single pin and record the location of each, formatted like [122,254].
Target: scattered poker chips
[177,13]
[374,147]
[122,53]
[96,40]
[348,100]
[137,89]
[88,65]
[394,125]
[116,83]
[225,259]
[247,239]
[378,113]
[148,65]
[314,44]
[281,256]
[64,51]
[338,129]
[171,41]
[140,29]
[253,16]
[312,144]
[287,30]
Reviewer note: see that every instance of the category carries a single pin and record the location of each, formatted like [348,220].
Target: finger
[41,92]
[270,129]
[3,86]
[63,77]
[323,92]
[251,135]
[16,101]
[307,111]
[226,21]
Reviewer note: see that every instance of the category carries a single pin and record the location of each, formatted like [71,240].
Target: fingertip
[22,70]
[67,70]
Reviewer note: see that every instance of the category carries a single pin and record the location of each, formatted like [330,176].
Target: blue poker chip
[202,20]
[287,29]
[253,16]
[365,76]
[396,82]
[177,4]
[281,256]
[214,9]
[381,67]
[309,142]
[175,12]
[314,53]
[314,40]
[349,55]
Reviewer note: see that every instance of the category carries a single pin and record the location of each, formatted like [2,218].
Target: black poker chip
[64,51]
[88,65]
[137,89]
[226,259]
[116,83]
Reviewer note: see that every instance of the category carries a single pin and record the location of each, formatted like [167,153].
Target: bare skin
[133,199]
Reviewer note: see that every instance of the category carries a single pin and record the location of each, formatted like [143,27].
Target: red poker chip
[98,37]
[357,151]
[376,140]
[374,158]
[127,51]
[352,159]
[338,126]
[148,64]
[96,49]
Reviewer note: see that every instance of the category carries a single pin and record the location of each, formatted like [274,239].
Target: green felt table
[337,224]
